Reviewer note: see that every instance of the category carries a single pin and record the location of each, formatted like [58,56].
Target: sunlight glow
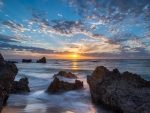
[75,55]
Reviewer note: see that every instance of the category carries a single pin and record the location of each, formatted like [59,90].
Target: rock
[27,60]
[42,60]
[57,85]
[8,72]
[125,93]
[20,86]
[65,74]
[11,61]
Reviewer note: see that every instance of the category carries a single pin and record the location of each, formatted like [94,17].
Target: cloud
[1,4]
[15,27]
[5,38]
[6,46]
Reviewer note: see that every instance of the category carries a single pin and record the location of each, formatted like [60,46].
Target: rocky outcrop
[126,92]
[65,74]
[12,61]
[20,86]
[8,72]
[26,60]
[42,60]
[58,85]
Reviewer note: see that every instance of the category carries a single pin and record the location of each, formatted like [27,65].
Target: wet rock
[65,74]
[20,86]
[8,72]
[57,85]
[42,60]
[126,92]
[26,60]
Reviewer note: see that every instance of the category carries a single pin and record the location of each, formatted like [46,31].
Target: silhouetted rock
[65,74]
[27,60]
[58,85]
[126,93]
[42,60]
[8,72]
[12,61]
[20,86]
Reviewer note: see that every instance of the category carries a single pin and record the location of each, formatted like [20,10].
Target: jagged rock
[58,85]
[42,60]
[8,72]
[27,60]
[126,92]
[65,74]
[20,86]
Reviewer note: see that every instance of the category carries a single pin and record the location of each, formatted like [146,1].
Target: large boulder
[57,86]
[26,60]
[126,92]
[65,74]
[8,72]
[42,60]
[20,86]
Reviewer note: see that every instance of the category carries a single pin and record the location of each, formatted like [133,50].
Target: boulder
[42,60]
[125,93]
[57,86]
[26,60]
[20,86]
[8,72]
[65,74]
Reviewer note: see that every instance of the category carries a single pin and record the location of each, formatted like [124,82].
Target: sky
[75,29]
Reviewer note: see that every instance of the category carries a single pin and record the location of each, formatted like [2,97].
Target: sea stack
[65,74]
[42,60]
[8,72]
[125,93]
[57,86]
[26,60]
[20,86]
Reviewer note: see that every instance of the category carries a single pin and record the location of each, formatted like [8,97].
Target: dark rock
[27,60]
[11,61]
[65,74]
[42,60]
[8,72]
[20,86]
[126,93]
[58,85]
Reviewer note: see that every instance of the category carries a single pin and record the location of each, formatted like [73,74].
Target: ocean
[78,101]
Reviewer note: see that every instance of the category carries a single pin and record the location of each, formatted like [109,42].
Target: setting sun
[74,55]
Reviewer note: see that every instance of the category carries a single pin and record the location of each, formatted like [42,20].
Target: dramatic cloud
[15,27]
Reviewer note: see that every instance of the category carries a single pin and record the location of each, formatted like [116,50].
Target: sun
[75,55]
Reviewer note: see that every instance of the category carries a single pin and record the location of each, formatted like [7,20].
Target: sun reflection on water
[75,65]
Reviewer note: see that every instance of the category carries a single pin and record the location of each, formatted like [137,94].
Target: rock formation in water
[42,60]
[12,61]
[20,86]
[8,72]
[57,85]
[26,60]
[126,92]
[65,74]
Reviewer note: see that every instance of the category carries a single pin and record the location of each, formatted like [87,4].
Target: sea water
[78,101]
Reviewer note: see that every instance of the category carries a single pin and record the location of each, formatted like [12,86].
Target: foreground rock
[65,74]
[20,86]
[8,72]
[58,85]
[126,93]
[42,60]
[26,60]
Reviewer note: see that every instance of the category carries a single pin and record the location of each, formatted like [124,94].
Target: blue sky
[90,28]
